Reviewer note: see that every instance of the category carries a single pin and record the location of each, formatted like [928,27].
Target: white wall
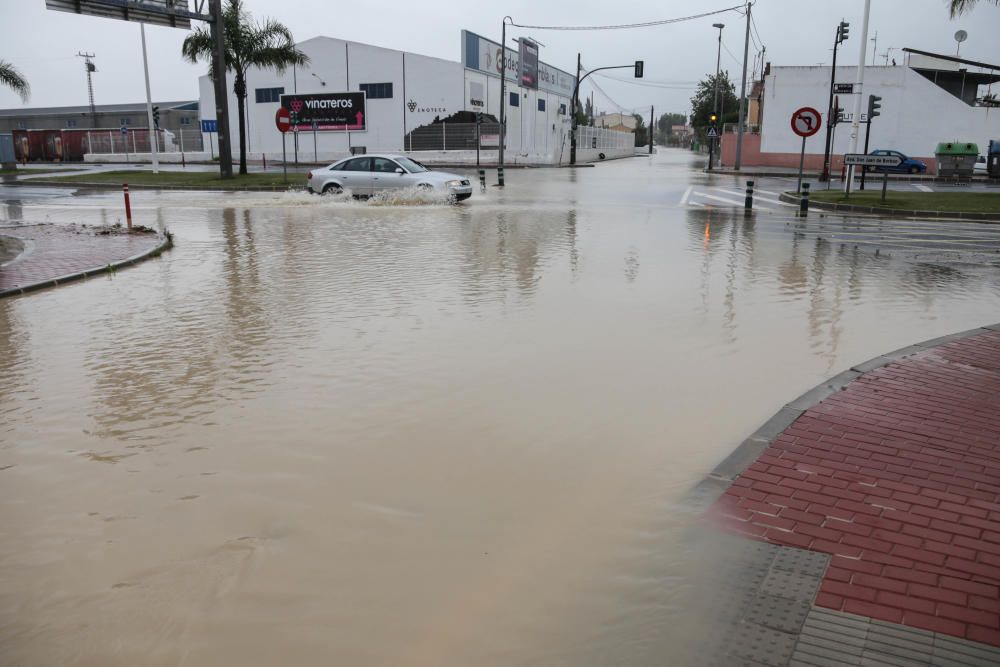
[916,114]
[434,84]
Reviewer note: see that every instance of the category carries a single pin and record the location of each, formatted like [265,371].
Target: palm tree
[10,77]
[961,6]
[266,45]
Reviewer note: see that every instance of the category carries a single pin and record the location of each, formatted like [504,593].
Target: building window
[123,121]
[515,100]
[21,125]
[377,91]
[185,121]
[268,95]
[71,122]
[562,109]
[541,105]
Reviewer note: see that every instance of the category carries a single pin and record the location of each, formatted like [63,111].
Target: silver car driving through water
[366,175]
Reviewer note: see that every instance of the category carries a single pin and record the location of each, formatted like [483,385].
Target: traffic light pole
[637,66]
[830,120]
[864,170]
[151,134]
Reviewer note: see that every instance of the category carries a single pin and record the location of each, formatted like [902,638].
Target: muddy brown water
[332,432]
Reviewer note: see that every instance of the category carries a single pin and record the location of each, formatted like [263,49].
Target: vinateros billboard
[329,111]
[528,59]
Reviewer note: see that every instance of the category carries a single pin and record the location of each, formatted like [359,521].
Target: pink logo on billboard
[296,105]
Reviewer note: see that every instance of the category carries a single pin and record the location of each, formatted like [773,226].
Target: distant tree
[588,111]
[267,45]
[704,100]
[665,124]
[959,7]
[641,131]
[13,79]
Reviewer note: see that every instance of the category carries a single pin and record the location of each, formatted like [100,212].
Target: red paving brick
[61,250]
[898,477]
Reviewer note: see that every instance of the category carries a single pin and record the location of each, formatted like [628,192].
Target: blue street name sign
[209,126]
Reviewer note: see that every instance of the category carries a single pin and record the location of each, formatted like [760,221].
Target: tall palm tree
[961,6]
[267,45]
[10,77]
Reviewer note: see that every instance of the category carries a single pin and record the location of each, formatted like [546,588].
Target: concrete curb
[167,242]
[879,211]
[712,487]
[117,186]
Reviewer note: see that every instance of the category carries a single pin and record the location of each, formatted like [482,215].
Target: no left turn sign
[806,122]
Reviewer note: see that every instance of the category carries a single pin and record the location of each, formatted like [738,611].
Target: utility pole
[221,94]
[575,102]
[89,67]
[650,130]
[856,120]
[151,132]
[715,104]
[874,41]
[743,95]
[503,97]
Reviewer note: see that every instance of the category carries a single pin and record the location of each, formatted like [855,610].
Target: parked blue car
[907,166]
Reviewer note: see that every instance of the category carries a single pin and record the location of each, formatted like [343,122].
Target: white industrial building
[406,91]
[926,101]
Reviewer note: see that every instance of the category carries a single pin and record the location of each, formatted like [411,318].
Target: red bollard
[128,206]
[264,157]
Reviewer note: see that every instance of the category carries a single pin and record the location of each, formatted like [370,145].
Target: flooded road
[331,432]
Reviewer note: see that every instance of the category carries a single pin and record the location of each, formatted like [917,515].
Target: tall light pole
[743,96]
[715,104]
[859,86]
[503,97]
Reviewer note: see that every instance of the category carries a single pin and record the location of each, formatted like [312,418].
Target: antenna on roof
[89,66]
[960,37]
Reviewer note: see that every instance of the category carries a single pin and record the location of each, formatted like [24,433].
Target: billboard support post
[151,135]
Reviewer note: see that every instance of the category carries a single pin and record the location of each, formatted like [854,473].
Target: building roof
[132,107]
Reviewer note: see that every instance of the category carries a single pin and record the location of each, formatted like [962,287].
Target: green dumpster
[956,158]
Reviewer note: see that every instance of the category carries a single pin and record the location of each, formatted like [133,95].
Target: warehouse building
[69,133]
[931,98]
[411,103]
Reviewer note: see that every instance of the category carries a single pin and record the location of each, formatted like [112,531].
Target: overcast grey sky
[43,44]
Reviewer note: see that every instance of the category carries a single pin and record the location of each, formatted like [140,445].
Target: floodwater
[332,432]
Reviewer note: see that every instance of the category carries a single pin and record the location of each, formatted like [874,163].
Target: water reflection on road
[330,432]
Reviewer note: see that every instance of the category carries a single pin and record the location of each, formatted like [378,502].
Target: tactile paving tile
[778,613]
[949,651]
[763,645]
[790,585]
[811,563]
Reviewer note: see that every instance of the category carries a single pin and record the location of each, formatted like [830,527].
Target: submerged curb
[712,487]
[166,242]
[878,210]
[117,186]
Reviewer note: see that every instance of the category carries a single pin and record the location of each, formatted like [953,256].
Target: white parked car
[980,166]
[365,175]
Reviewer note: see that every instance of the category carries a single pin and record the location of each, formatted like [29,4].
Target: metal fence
[601,138]
[452,137]
[115,142]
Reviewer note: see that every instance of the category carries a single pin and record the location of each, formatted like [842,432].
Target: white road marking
[757,198]
[922,188]
[687,193]
[727,201]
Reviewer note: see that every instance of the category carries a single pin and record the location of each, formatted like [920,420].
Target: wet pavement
[326,430]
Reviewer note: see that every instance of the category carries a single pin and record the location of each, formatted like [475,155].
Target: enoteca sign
[327,111]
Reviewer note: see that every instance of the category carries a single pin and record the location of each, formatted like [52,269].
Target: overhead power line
[627,26]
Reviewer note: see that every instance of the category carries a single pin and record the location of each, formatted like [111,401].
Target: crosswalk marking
[757,198]
[922,188]
[727,201]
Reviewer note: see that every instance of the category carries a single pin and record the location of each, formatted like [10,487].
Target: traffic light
[838,111]
[874,104]
[842,31]
[479,117]
[156,117]
[713,118]
[638,69]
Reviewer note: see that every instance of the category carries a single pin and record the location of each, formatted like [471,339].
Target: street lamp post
[715,104]
[503,97]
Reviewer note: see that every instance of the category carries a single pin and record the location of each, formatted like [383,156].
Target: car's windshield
[410,166]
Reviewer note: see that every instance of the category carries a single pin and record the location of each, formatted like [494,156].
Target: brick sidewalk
[897,477]
[56,251]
